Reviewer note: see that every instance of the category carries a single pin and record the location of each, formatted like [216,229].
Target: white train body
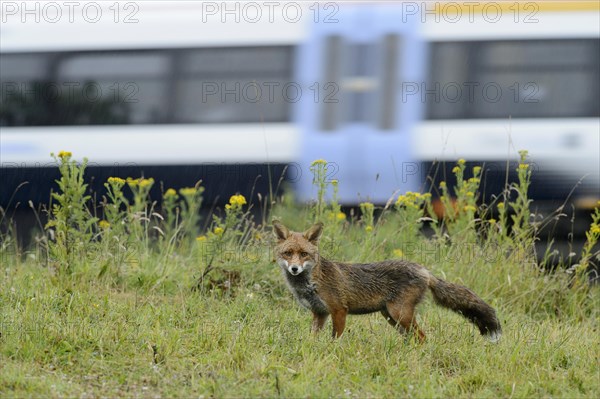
[153,46]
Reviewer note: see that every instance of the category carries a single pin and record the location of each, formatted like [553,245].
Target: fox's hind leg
[389,318]
[402,317]
[318,322]
[402,312]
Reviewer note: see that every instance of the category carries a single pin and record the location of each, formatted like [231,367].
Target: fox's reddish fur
[393,287]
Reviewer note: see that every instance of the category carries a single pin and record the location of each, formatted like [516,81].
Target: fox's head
[297,252]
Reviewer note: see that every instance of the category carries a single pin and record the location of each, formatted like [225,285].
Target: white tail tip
[494,336]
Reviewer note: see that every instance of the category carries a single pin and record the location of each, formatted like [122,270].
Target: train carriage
[184,91]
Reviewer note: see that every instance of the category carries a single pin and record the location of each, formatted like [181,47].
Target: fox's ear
[314,233]
[281,232]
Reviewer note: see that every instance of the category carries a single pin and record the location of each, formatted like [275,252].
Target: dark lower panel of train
[19,186]
[549,192]
[548,188]
[22,184]
[562,203]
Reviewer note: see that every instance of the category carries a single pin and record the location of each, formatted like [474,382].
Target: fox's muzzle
[294,269]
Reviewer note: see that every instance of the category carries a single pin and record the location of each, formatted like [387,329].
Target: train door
[359,75]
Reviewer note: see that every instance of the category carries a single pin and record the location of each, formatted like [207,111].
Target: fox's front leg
[318,322]
[338,318]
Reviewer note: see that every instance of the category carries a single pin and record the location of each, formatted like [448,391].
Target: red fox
[392,287]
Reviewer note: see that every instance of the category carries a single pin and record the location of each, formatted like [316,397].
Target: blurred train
[237,94]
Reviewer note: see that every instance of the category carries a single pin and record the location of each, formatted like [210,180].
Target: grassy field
[143,304]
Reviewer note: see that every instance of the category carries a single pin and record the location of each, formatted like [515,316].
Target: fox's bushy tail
[465,302]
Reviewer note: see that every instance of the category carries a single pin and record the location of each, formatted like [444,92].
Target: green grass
[93,340]
[118,311]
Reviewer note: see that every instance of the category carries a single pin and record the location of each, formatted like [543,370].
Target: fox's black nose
[294,269]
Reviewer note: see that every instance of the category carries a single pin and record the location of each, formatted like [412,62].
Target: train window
[366,75]
[100,66]
[349,67]
[542,94]
[358,84]
[18,76]
[249,60]
[330,116]
[23,66]
[235,85]
[532,54]
[231,100]
[520,79]
[217,85]
[389,72]
[118,87]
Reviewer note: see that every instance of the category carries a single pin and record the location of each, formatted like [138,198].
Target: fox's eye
[287,253]
[304,254]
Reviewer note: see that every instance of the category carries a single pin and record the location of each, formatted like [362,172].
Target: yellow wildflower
[476,170]
[201,238]
[470,194]
[595,229]
[103,224]
[334,182]
[442,184]
[455,169]
[146,182]
[367,206]
[461,161]
[369,229]
[501,205]
[523,166]
[340,216]
[116,180]
[188,191]
[398,253]
[402,199]
[412,200]
[492,221]
[474,180]
[170,193]
[523,154]
[133,182]
[468,208]
[218,231]
[237,200]
[65,154]
[318,162]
